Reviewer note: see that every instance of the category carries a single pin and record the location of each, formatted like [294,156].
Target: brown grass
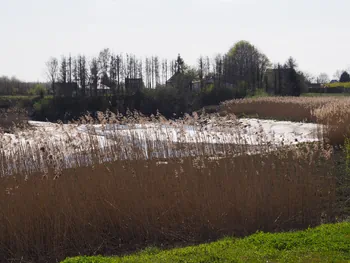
[49,212]
[11,117]
[333,112]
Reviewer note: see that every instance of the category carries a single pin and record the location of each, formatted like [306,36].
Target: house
[315,86]
[183,81]
[196,85]
[103,89]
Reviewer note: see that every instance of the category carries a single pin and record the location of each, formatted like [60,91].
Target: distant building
[196,85]
[181,80]
[315,86]
[103,89]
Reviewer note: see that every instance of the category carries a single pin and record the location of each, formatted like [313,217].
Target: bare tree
[337,74]
[218,68]
[135,66]
[82,73]
[201,67]
[63,70]
[165,70]
[140,69]
[309,78]
[75,74]
[94,76]
[179,64]
[156,71]
[118,64]
[148,73]
[103,63]
[152,72]
[323,78]
[207,66]
[127,69]
[70,69]
[291,63]
[172,67]
[113,74]
[52,72]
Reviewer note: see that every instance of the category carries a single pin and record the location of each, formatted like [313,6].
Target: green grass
[339,84]
[326,243]
[325,94]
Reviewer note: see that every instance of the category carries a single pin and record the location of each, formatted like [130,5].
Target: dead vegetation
[333,112]
[107,204]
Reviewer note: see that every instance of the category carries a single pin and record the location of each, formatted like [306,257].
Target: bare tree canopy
[291,63]
[323,78]
[52,71]
[337,74]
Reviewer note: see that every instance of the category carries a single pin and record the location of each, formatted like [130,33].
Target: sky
[314,32]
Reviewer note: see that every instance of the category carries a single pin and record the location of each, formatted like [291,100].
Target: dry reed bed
[63,146]
[333,112]
[49,212]
[123,205]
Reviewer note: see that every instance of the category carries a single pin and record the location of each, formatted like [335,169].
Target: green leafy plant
[38,90]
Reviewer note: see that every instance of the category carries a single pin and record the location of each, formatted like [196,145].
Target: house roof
[178,76]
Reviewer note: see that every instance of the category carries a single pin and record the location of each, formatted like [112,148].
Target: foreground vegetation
[116,205]
[104,204]
[327,243]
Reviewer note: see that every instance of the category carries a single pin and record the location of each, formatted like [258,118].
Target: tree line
[12,86]
[108,71]
[169,86]
[341,75]
[242,66]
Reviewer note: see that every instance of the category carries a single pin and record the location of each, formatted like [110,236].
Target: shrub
[39,90]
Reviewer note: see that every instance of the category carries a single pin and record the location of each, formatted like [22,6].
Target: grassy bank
[327,243]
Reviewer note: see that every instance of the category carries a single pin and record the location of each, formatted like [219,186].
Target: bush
[39,90]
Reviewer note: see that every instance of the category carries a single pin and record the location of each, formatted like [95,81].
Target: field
[120,184]
[339,84]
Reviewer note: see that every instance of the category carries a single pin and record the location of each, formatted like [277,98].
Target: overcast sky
[314,32]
